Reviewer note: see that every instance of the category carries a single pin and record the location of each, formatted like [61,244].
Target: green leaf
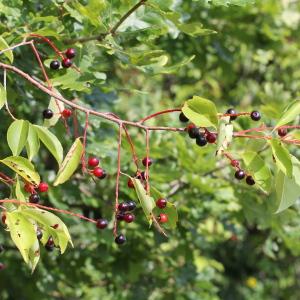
[146,201]
[225,133]
[201,112]
[282,157]
[3,96]
[259,170]
[33,142]
[17,136]
[19,194]
[51,142]
[9,53]
[288,189]
[34,255]
[170,210]
[70,163]
[290,114]
[47,221]
[23,167]
[22,232]
[194,29]
[57,107]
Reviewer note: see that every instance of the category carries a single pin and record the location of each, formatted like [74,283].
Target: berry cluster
[66,62]
[98,172]
[35,197]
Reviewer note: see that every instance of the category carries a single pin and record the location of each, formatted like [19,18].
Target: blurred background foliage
[229,244]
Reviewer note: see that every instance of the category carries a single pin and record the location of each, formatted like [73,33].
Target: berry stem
[159,113]
[147,165]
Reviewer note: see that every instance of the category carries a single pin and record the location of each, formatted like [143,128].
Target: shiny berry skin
[120,216]
[66,63]
[93,162]
[235,163]
[282,132]
[98,172]
[47,113]
[201,140]
[162,218]
[43,187]
[193,132]
[183,118]
[103,175]
[120,239]
[34,198]
[250,180]
[255,115]
[123,206]
[147,160]
[231,111]
[49,245]
[239,174]
[39,234]
[55,64]
[66,113]
[131,205]
[128,218]
[70,53]
[101,223]
[130,183]
[211,137]
[161,203]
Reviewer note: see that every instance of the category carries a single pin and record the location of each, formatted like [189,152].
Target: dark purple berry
[239,174]
[34,198]
[147,160]
[250,180]
[49,245]
[131,205]
[123,206]
[282,132]
[128,218]
[120,239]
[255,115]
[193,132]
[39,234]
[201,140]
[120,216]
[55,64]
[101,223]
[183,118]
[231,111]
[47,113]
[66,63]
[211,137]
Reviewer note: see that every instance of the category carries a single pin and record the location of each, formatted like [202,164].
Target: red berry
[66,113]
[282,132]
[3,218]
[235,163]
[147,161]
[128,218]
[93,162]
[162,218]
[211,137]
[66,63]
[43,187]
[130,183]
[98,172]
[101,223]
[161,203]
[70,53]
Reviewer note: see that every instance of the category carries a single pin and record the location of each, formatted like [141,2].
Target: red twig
[49,208]
[159,113]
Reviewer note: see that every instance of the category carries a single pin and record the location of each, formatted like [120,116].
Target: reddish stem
[159,113]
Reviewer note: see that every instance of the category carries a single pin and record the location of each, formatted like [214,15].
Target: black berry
[70,53]
[255,115]
[131,205]
[183,118]
[120,216]
[66,63]
[250,180]
[193,132]
[49,245]
[239,174]
[282,132]
[123,206]
[55,64]
[47,113]
[201,140]
[39,234]
[34,198]
[120,239]
[231,111]
[101,223]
